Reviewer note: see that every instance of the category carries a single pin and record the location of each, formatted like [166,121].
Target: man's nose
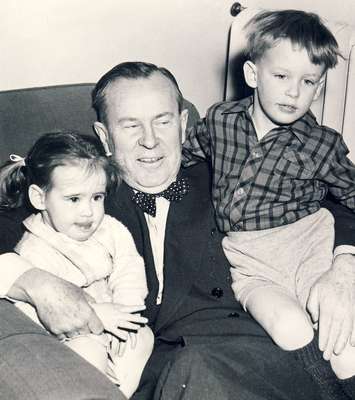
[148,138]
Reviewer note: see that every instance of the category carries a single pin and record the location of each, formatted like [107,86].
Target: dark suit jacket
[197,298]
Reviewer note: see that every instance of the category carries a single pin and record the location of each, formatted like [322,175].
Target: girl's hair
[303,29]
[50,151]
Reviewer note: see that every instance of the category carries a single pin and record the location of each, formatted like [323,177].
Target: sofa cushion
[26,114]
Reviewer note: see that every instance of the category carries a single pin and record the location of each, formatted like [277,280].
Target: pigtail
[13,183]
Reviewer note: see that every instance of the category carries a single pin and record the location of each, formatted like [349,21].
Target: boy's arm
[338,172]
[197,146]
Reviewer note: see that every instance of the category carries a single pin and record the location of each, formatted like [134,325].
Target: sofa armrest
[36,366]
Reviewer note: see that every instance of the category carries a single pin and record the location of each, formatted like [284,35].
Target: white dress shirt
[156,227]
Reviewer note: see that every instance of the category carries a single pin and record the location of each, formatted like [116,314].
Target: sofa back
[335,107]
[26,114]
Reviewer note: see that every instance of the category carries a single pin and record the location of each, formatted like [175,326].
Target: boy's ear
[319,88]
[102,133]
[250,74]
[37,197]
[183,123]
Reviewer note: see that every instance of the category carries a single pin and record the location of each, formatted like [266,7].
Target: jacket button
[233,315]
[213,231]
[217,292]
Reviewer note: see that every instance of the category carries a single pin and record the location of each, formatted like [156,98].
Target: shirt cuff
[344,249]
[12,266]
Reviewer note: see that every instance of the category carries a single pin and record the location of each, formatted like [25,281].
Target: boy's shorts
[290,257]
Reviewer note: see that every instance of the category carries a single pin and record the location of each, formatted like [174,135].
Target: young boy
[272,164]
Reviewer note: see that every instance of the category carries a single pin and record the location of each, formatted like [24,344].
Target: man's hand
[331,304]
[62,307]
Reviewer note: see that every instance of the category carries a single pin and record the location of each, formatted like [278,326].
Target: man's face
[286,83]
[145,131]
[75,203]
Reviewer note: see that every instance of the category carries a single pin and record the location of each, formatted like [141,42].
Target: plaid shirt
[274,181]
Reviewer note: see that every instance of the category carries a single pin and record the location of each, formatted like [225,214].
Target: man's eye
[73,199]
[164,121]
[130,126]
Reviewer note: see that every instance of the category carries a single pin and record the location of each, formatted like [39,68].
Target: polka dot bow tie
[175,192]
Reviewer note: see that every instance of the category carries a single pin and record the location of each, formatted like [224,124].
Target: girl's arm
[128,280]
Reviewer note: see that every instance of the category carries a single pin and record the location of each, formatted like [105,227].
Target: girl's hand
[118,319]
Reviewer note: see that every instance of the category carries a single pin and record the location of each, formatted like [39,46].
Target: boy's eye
[73,199]
[280,76]
[309,82]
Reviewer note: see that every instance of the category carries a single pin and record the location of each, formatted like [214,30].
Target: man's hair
[128,70]
[305,30]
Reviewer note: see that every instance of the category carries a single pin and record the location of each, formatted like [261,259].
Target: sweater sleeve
[12,266]
[127,280]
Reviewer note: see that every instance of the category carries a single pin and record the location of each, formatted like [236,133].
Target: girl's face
[75,203]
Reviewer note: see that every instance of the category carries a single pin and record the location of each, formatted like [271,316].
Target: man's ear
[184,115]
[250,74]
[37,197]
[102,133]
[319,88]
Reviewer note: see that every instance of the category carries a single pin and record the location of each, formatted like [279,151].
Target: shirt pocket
[295,165]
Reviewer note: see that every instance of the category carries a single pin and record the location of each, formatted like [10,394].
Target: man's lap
[243,367]
[36,366]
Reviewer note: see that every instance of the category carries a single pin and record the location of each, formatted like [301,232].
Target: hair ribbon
[17,159]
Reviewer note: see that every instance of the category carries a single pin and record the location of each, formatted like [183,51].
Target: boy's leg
[126,369]
[281,316]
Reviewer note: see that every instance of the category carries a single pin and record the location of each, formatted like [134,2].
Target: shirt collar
[301,128]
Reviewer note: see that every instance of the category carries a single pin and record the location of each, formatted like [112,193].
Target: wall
[63,41]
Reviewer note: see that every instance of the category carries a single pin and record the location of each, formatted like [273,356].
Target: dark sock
[348,386]
[321,371]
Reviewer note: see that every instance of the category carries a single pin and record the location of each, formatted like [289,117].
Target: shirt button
[239,193]
[217,292]
[255,154]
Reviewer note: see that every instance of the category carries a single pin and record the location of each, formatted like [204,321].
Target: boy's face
[286,83]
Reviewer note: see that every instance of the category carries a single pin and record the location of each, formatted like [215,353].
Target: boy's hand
[118,319]
[331,304]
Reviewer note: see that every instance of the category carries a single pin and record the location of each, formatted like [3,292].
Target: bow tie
[174,192]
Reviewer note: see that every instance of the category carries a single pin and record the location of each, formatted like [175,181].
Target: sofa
[33,364]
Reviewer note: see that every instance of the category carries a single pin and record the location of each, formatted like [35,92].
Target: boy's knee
[293,333]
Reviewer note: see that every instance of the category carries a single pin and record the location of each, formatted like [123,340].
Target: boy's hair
[52,150]
[305,30]
[128,70]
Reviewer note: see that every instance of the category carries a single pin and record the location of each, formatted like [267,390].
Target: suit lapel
[184,247]
[120,206]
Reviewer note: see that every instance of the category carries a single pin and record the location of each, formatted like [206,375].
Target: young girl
[65,177]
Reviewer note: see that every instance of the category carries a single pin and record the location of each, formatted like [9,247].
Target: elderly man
[207,346]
